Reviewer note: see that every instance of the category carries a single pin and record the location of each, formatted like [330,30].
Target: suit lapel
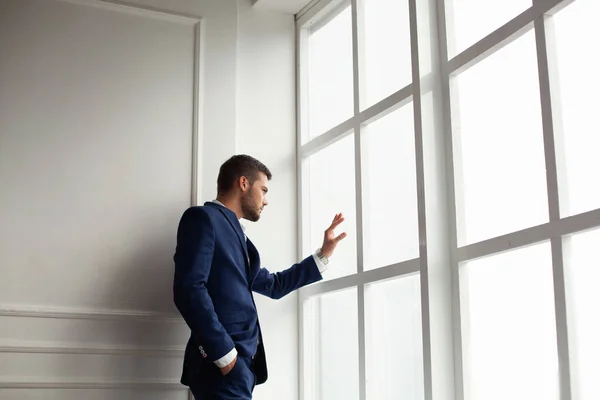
[237,227]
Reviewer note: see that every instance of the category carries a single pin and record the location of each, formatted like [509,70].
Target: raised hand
[330,241]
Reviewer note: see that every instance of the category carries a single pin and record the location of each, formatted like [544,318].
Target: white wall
[86,252]
[96,113]
[266,130]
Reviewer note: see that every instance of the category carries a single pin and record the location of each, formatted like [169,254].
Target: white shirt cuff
[226,359]
[322,267]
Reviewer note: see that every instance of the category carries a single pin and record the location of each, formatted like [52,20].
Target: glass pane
[336,346]
[498,143]
[394,346]
[582,272]
[386,45]
[390,183]
[330,89]
[509,332]
[577,32]
[331,190]
[472,20]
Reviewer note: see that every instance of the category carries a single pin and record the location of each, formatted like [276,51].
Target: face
[254,197]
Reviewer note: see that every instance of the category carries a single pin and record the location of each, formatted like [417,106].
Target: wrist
[323,257]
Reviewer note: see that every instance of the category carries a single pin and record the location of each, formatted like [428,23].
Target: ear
[244,184]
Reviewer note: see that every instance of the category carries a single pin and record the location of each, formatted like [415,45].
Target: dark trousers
[238,384]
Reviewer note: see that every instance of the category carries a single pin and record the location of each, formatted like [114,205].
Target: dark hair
[236,167]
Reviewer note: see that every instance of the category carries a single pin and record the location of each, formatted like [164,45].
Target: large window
[460,140]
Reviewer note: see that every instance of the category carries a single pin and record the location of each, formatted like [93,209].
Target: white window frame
[440,254]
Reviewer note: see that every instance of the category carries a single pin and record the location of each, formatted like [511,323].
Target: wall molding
[198,68]
[7,310]
[90,349]
[35,311]
[40,383]
[139,9]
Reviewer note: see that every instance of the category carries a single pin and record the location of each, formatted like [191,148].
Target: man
[216,270]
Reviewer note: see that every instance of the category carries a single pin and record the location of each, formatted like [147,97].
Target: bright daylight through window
[459,138]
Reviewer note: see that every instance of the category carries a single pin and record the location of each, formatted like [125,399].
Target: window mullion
[357,27]
[444,40]
[554,209]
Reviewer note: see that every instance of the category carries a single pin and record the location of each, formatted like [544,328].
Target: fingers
[338,219]
[340,237]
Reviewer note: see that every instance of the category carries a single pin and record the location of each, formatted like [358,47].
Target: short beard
[248,211]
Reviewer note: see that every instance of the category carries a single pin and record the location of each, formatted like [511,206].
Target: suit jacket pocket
[235,322]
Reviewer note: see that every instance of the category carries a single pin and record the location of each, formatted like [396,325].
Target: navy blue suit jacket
[216,271]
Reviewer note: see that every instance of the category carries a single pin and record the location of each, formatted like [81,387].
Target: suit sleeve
[193,259]
[282,283]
